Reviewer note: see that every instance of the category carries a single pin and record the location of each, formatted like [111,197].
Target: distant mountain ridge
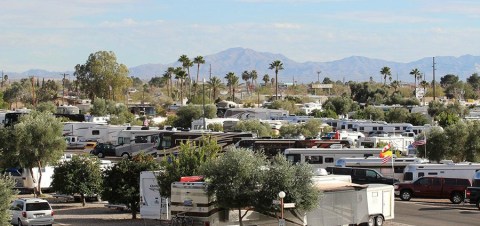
[355,68]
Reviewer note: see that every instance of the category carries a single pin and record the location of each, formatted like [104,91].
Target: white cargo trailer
[152,205]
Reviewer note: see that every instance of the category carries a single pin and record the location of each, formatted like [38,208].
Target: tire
[100,155]
[379,220]
[125,155]
[456,198]
[405,195]
[19,222]
[371,221]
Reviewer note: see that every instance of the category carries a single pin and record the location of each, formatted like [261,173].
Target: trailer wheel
[478,204]
[371,221]
[405,195]
[125,155]
[456,198]
[379,220]
[100,155]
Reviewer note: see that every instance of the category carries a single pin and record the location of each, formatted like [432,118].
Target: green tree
[311,128]
[265,79]
[276,65]
[99,107]
[417,119]
[37,141]
[101,76]
[215,85]
[341,105]
[7,195]
[416,75]
[168,75]
[13,94]
[447,118]
[198,60]
[424,84]
[47,107]
[186,64]
[396,115]
[81,175]
[326,113]
[186,114]
[386,73]
[181,75]
[435,107]
[217,127]
[254,126]
[285,105]
[474,80]
[186,163]
[448,80]
[371,113]
[121,183]
[236,179]
[435,147]
[246,77]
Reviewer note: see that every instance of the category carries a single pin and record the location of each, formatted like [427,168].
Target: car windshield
[37,206]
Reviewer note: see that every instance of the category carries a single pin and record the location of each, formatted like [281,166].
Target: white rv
[452,170]
[152,205]
[198,124]
[400,143]
[24,181]
[395,170]
[324,157]
[132,141]
[91,131]
[390,128]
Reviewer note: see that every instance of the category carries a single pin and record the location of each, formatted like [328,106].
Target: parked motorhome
[324,157]
[152,205]
[376,163]
[449,170]
[400,143]
[254,113]
[199,123]
[91,131]
[390,128]
[131,142]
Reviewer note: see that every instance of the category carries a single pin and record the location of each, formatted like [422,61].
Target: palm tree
[168,74]
[198,60]
[424,84]
[254,76]
[229,77]
[385,71]
[234,84]
[246,78]
[215,84]
[186,64]
[277,66]
[265,79]
[416,74]
[181,75]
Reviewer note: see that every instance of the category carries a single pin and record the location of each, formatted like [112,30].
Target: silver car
[31,211]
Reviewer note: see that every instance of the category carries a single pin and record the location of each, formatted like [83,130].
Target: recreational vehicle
[394,169]
[400,143]
[450,170]
[390,128]
[199,123]
[324,157]
[152,205]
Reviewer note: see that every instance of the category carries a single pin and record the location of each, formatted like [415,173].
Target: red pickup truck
[433,187]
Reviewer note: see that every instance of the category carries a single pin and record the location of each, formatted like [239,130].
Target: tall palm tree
[277,66]
[215,84]
[229,77]
[265,79]
[385,71]
[198,60]
[186,64]
[246,78]
[424,84]
[181,75]
[234,84]
[254,76]
[168,74]
[416,74]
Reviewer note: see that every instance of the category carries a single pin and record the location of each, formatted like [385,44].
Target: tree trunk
[83,199]
[276,85]
[39,178]
[198,72]
[240,218]
[134,210]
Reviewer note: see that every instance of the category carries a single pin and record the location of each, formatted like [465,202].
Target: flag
[419,143]
[386,153]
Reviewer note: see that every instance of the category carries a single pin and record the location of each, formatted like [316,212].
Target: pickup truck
[433,187]
[472,195]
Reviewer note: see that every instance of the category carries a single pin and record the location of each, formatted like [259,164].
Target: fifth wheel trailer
[152,205]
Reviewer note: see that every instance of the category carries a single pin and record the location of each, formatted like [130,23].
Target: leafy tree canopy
[254,126]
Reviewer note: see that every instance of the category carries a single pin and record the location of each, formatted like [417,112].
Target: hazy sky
[57,35]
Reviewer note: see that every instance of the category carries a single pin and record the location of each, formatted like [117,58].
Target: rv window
[95,132]
[362,128]
[380,128]
[374,128]
[329,160]
[166,142]
[421,174]
[397,128]
[141,139]
[432,173]
[293,158]
[120,141]
[398,169]
[314,159]
[408,176]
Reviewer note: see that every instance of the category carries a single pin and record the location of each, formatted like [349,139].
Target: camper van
[448,170]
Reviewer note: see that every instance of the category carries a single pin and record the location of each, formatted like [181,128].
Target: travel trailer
[254,113]
[395,170]
[400,143]
[91,131]
[324,157]
[198,124]
[390,128]
[450,170]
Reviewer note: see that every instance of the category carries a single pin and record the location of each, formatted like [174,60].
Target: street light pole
[281,195]
[204,112]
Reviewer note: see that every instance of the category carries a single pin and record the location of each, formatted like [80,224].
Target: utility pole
[210,76]
[63,88]
[318,74]
[433,82]
[33,91]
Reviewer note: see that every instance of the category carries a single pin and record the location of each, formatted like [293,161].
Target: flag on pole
[386,154]
[419,143]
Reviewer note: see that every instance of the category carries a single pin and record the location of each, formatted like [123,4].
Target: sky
[57,35]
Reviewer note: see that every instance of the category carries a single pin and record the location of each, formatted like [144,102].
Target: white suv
[29,211]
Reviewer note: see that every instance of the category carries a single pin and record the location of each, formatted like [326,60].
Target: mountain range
[354,68]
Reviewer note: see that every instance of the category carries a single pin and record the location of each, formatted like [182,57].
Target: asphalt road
[435,212]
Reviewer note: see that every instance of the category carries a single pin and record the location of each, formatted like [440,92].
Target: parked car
[472,196]
[433,187]
[103,149]
[31,211]
[362,175]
